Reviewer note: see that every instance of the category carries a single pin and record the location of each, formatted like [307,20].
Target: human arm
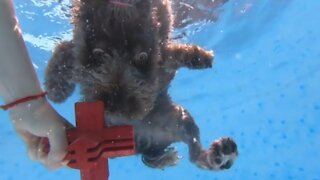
[34,119]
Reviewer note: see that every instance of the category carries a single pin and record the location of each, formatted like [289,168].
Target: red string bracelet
[22,100]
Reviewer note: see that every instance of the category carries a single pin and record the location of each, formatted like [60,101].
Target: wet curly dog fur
[121,54]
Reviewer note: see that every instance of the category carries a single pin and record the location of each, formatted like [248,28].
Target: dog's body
[124,57]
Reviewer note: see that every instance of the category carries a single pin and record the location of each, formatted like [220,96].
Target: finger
[32,143]
[43,150]
[58,144]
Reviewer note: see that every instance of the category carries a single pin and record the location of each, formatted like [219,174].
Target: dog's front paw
[201,59]
[58,91]
[222,154]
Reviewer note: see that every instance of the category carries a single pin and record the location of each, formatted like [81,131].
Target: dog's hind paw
[168,158]
[223,153]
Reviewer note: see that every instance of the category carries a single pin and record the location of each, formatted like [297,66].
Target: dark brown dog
[121,54]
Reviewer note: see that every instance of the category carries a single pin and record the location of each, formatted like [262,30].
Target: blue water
[262,91]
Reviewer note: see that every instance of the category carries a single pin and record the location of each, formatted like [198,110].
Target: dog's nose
[97,52]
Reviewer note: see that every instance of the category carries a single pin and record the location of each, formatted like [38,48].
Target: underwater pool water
[263,91]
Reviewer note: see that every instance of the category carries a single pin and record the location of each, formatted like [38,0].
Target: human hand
[35,121]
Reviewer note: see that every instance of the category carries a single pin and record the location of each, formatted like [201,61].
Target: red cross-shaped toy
[91,143]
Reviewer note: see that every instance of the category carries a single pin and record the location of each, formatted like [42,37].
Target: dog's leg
[155,134]
[59,72]
[190,56]
[169,123]
[222,153]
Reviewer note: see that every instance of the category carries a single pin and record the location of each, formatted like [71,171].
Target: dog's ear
[190,56]
[59,72]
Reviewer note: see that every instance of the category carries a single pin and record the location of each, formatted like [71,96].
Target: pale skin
[35,119]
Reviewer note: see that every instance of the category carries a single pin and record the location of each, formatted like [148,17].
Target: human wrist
[28,107]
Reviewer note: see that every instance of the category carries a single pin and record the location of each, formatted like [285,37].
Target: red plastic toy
[91,143]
